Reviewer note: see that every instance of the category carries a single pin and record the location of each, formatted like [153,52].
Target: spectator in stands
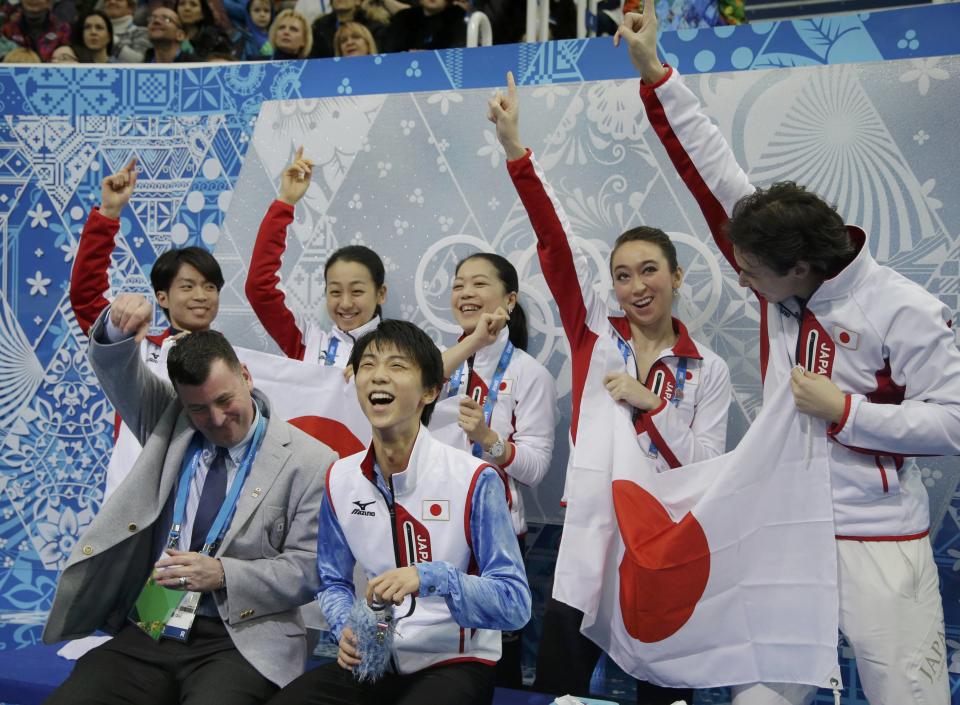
[256,37]
[290,36]
[353,39]
[166,35]
[130,41]
[433,24]
[31,25]
[202,33]
[21,55]
[92,36]
[64,54]
[374,17]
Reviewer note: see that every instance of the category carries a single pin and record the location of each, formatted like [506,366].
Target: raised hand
[639,30]
[488,328]
[295,179]
[132,314]
[117,189]
[504,112]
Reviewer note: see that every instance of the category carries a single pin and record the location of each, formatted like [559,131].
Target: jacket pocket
[274,529]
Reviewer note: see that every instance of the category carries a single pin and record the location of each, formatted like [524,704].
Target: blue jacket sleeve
[499,597]
[335,568]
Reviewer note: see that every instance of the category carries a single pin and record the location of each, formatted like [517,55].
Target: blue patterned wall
[64,129]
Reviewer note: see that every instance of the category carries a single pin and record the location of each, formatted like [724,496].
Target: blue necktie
[211,499]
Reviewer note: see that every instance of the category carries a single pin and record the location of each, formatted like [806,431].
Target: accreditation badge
[178,626]
[154,607]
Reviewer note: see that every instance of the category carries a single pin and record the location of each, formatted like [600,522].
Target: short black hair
[363,256]
[411,341]
[507,274]
[655,236]
[190,359]
[167,266]
[786,224]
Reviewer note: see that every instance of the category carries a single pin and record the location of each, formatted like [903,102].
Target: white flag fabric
[312,397]
[718,573]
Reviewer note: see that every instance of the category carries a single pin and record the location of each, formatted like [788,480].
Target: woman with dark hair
[500,403]
[353,281]
[203,35]
[93,38]
[675,389]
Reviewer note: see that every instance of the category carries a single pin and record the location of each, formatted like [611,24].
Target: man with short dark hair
[866,350]
[166,34]
[222,505]
[429,525]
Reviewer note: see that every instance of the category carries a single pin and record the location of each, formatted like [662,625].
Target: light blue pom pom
[374,631]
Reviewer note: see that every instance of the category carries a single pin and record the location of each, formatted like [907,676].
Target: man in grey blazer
[248,638]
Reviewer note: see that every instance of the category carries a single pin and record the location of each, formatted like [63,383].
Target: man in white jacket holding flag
[866,350]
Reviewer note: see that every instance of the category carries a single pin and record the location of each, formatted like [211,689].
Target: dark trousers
[133,669]
[468,683]
[567,658]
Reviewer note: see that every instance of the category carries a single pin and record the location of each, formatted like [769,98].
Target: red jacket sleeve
[263,281]
[89,281]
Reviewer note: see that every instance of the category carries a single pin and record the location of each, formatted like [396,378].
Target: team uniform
[89,281]
[887,344]
[301,341]
[445,514]
[524,414]
[693,383]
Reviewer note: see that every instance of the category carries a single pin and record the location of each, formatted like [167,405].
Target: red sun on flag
[665,565]
[330,432]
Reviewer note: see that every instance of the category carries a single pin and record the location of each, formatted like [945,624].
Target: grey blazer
[269,551]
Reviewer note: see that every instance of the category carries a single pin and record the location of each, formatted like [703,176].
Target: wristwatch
[496,450]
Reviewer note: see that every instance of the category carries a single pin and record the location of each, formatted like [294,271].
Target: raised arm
[701,156]
[89,279]
[582,312]
[138,395]
[263,280]
[486,332]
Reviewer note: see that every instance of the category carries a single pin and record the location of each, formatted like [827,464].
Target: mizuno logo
[361,509]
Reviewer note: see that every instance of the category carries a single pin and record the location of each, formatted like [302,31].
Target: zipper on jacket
[391,508]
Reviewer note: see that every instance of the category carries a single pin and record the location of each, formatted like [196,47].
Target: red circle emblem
[844,337]
[436,510]
[689,375]
[503,386]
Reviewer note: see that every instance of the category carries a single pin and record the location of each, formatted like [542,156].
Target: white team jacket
[525,415]
[317,342]
[881,338]
[430,521]
[682,431]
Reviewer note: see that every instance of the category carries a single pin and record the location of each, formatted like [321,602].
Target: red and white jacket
[299,340]
[429,521]
[525,416]
[89,284]
[881,338]
[683,431]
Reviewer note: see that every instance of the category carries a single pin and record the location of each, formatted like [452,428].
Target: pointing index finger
[511,86]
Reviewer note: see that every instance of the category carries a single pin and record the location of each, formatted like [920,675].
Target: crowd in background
[169,31]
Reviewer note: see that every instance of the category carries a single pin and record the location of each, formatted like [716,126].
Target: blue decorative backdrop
[64,129]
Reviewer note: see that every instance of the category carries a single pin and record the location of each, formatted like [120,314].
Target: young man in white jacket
[865,349]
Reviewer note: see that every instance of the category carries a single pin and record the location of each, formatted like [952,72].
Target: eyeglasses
[164,19]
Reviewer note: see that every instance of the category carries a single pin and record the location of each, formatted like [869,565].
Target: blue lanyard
[331,355]
[222,521]
[493,390]
[675,400]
